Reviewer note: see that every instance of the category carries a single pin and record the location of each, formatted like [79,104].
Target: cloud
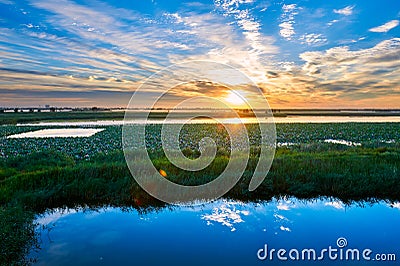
[200,88]
[63,98]
[385,27]
[247,22]
[102,48]
[289,8]
[358,74]
[174,32]
[346,11]
[287,21]
[385,54]
[335,204]
[283,228]
[330,23]
[313,39]
[338,77]
[287,30]
[95,48]
[395,205]
[236,38]
[229,214]
[6,2]
[89,24]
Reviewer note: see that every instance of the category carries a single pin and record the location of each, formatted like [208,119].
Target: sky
[301,54]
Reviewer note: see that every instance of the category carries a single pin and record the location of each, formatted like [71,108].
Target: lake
[224,232]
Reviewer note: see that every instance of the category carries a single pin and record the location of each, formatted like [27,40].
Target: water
[248,120]
[343,142]
[224,232]
[57,133]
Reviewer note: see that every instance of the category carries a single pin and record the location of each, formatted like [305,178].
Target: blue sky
[300,53]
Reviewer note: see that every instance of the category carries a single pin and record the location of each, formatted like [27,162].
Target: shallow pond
[57,133]
[224,232]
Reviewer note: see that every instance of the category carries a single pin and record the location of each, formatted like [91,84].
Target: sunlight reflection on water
[247,120]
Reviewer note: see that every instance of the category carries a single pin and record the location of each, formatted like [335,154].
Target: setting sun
[234,98]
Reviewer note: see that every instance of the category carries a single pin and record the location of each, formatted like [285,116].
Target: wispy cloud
[244,19]
[386,27]
[6,2]
[346,11]
[330,23]
[246,48]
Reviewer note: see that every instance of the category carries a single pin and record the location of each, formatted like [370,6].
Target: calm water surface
[289,119]
[58,133]
[224,232]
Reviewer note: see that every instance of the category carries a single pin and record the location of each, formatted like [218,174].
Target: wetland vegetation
[40,174]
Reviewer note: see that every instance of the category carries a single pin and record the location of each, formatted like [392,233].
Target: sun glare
[234,98]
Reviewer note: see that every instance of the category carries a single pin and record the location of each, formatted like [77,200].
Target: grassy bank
[52,179]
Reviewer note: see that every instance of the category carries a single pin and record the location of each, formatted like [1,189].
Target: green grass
[17,233]
[105,179]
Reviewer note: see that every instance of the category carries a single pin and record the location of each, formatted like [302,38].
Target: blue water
[224,232]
